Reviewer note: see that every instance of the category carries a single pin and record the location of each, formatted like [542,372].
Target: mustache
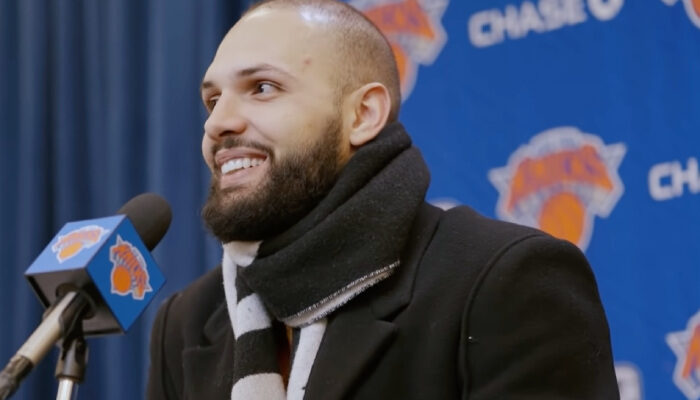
[237,141]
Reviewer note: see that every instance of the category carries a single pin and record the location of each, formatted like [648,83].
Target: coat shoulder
[531,303]
[466,223]
[204,294]
[191,308]
[471,239]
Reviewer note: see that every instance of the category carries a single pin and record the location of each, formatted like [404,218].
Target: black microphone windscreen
[150,214]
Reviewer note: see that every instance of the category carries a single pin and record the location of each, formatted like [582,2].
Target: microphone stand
[61,322]
[72,362]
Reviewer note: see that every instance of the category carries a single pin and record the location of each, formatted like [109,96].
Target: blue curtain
[100,102]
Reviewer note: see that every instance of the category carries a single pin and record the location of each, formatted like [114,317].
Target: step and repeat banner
[581,118]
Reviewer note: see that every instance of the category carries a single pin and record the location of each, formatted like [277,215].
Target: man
[338,281]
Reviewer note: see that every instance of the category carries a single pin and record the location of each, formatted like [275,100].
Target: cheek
[206,151]
[280,127]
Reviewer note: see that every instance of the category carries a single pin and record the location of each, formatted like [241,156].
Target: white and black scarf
[349,242]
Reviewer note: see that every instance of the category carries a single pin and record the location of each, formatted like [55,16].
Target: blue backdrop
[581,117]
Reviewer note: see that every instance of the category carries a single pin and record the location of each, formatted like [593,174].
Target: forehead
[292,40]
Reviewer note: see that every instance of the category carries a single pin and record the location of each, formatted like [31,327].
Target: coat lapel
[356,336]
[208,368]
[361,331]
[352,341]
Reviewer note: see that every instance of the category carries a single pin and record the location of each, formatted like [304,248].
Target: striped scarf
[348,243]
[256,373]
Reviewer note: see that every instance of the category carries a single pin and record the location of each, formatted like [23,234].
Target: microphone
[98,273]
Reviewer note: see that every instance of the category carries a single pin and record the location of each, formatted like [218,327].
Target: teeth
[240,163]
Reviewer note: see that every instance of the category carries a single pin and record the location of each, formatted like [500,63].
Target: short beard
[293,187]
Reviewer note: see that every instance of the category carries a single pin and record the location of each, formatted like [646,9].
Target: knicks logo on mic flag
[118,266]
[559,181]
[129,273]
[414,30]
[72,243]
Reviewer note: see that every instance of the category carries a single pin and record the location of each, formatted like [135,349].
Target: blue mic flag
[106,258]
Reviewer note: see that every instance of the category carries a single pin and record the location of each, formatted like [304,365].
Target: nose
[225,119]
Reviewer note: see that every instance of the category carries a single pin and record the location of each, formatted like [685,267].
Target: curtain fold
[99,101]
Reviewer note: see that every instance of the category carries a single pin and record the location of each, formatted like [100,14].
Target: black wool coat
[478,309]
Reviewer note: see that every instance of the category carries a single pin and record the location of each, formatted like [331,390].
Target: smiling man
[338,280]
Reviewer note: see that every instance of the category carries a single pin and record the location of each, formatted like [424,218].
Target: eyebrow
[246,72]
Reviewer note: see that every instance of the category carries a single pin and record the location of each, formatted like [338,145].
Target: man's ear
[370,106]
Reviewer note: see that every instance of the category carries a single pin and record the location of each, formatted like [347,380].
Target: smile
[237,164]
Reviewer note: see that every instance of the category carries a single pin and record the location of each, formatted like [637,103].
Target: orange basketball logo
[129,274]
[72,243]
[558,182]
[414,31]
[686,346]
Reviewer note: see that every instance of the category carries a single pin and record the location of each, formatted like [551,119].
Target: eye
[264,88]
[210,103]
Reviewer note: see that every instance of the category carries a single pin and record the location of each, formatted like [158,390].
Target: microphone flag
[106,259]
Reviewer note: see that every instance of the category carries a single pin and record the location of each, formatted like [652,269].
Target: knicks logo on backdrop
[414,30]
[72,243]
[686,346]
[129,273]
[559,182]
[692,8]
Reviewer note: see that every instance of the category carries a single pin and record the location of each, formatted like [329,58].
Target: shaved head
[295,88]
[360,52]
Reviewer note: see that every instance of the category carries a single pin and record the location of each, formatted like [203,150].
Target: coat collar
[356,336]
[208,366]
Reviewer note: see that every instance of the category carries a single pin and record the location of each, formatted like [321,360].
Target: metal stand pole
[62,320]
[72,362]
[65,390]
